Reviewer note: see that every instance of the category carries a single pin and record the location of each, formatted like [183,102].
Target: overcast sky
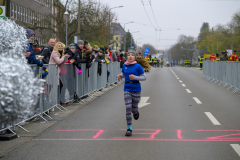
[174,17]
[171,15]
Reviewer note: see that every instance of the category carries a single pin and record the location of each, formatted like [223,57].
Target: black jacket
[98,59]
[69,52]
[79,56]
[47,51]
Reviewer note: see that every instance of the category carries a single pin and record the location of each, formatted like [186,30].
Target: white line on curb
[188,91]
[212,118]
[197,100]
[180,81]
[183,85]
[236,147]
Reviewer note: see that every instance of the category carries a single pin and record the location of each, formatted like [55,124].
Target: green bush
[96,43]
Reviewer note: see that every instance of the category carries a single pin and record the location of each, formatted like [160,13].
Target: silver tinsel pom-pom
[19,89]
[13,40]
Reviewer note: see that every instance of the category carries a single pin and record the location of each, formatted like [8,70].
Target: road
[182,117]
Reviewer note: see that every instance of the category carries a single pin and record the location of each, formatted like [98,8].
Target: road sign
[2,12]
[75,39]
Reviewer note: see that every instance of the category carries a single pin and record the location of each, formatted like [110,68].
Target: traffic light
[181,47]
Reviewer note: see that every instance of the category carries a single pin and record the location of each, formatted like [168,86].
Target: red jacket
[212,57]
[119,58]
[233,57]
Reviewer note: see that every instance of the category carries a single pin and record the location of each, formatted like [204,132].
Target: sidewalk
[37,126]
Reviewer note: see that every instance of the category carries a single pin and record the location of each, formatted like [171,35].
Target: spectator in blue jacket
[31,58]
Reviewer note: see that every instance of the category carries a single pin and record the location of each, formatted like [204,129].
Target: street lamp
[125,35]
[131,36]
[138,43]
[66,14]
[137,40]
[109,20]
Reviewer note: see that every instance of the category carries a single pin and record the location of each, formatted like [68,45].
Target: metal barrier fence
[62,83]
[223,72]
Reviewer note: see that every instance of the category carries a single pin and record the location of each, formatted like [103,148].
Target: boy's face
[31,38]
[99,53]
[72,49]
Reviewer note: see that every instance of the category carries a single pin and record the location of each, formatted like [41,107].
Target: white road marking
[188,91]
[212,118]
[236,147]
[177,78]
[183,85]
[180,81]
[197,100]
[143,102]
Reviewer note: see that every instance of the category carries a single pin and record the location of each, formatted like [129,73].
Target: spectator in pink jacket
[58,57]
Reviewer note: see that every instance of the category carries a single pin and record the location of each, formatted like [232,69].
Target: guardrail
[224,73]
[81,82]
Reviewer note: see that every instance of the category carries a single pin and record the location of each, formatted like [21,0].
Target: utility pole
[110,23]
[79,16]
[109,27]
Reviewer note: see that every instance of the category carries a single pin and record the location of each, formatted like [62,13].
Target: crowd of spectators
[76,54]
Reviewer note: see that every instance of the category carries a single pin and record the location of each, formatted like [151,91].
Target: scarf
[60,53]
[129,63]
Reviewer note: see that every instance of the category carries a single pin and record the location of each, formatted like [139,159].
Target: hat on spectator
[80,42]
[36,41]
[102,48]
[72,46]
[29,32]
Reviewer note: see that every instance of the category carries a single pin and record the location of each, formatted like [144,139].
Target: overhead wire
[147,13]
[158,29]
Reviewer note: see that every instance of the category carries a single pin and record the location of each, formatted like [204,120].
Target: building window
[24,14]
[116,45]
[12,9]
[116,38]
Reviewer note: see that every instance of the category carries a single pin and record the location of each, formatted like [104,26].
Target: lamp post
[110,22]
[131,36]
[125,35]
[137,40]
[66,14]
[138,45]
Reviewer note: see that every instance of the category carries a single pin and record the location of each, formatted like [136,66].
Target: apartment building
[34,14]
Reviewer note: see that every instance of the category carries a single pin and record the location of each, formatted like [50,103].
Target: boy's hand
[131,77]
[119,76]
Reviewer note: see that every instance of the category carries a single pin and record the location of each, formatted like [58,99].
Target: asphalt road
[185,117]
